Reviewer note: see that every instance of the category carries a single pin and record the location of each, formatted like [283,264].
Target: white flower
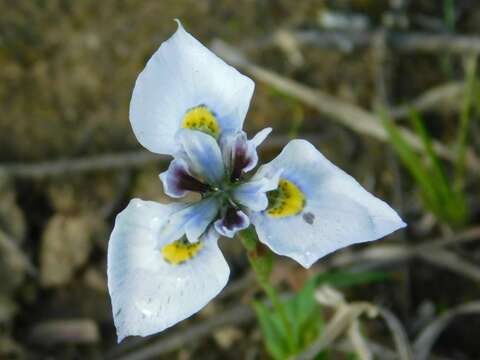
[164,263]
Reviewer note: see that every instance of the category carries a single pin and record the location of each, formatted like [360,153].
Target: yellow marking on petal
[287,200]
[202,119]
[180,251]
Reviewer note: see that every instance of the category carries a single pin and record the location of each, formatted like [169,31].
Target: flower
[164,263]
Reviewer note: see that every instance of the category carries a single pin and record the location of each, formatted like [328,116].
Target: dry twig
[71,331]
[345,318]
[238,315]
[431,332]
[380,255]
[346,114]
[112,161]
[347,41]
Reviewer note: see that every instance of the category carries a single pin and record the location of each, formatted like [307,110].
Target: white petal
[148,294]
[338,211]
[240,154]
[183,74]
[202,154]
[260,136]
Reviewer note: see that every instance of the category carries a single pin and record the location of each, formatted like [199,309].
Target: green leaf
[347,279]
[304,314]
[412,162]
[439,181]
[273,332]
[305,317]
[445,201]
[465,116]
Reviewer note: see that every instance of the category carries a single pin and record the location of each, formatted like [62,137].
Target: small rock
[95,280]
[226,336]
[71,331]
[66,244]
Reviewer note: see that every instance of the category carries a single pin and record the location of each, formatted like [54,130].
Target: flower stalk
[261,261]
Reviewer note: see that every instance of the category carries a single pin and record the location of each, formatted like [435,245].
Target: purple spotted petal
[239,153]
[178,180]
[233,221]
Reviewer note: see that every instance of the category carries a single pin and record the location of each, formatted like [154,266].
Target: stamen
[286,200]
[180,251]
[202,119]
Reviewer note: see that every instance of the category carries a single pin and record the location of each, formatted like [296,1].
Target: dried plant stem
[122,160]
[237,315]
[347,41]
[346,114]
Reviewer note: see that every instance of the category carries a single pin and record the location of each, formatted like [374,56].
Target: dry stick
[389,253]
[123,160]
[342,319]
[430,251]
[439,96]
[238,315]
[62,167]
[347,41]
[379,350]
[453,262]
[398,332]
[351,116]
[425,341]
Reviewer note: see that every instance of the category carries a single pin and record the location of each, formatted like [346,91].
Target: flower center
[180,251]
[202,119]
[286,200]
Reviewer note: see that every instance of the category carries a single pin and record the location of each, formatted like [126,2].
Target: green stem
[465,114]
[262,263]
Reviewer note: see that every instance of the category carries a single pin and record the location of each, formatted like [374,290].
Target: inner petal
[253,194]
[239,154]
[233,221]
[202,154]
[192,221]
[202,119]
[286,200]
[180,251]
[242,158]
[178,180]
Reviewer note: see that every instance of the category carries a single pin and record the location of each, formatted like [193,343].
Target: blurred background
[386,89]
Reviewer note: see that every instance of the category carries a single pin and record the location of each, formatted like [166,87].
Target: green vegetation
[442,195]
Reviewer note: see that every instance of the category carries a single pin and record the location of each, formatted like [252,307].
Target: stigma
[180,251]
[286,200]
[202,119]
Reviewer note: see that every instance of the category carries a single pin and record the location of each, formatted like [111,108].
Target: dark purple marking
[184,181]
[241,158]
[232,220]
